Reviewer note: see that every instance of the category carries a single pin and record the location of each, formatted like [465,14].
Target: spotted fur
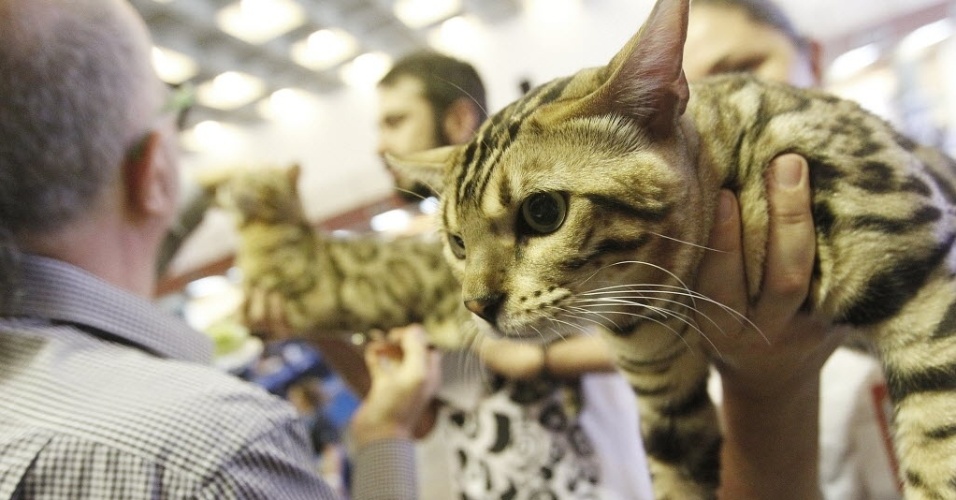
[631,159]
[330,283]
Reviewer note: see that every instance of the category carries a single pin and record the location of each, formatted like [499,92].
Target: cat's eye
[544,212]
[457,246]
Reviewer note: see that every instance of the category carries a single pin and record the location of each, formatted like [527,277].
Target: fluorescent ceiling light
[393,220]
[420,13]
[429,205]
[212,137]
[457,35]
[288,105]
[925,37]
[173,67]
[324,49]
[229,90]
[366,70]
[853,61]
[257,21]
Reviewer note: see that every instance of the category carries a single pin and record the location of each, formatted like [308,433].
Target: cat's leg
[918,347]
[679,424]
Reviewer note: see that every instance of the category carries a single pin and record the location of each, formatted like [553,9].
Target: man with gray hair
[101,394]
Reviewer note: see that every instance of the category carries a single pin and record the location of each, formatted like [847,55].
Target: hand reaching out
[405,377]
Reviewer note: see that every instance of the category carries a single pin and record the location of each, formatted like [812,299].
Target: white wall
[335,143]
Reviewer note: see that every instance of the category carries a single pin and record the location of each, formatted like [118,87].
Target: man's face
[406,121]
[726,40]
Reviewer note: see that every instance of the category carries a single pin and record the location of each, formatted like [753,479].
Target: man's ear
[151,179]
[461,120]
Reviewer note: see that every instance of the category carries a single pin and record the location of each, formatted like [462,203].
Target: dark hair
[762,12]
[444,78]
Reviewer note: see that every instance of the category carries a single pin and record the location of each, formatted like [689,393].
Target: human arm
[770,387]
[566,358]
[405,375]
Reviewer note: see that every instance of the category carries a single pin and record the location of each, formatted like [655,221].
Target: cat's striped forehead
[479,160]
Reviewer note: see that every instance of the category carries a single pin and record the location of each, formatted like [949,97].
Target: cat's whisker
[664,312]
[568,324]
[584,315]
[413,193]
[472,344]
[584,310]
[649,264]
[671,289]
[687,318]
[740,319]
[471,341]
[661,323]
[688,243]
[581,329]
[476,102]
[541,335]
[655,266]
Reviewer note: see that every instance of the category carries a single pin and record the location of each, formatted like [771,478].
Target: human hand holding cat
[791,346]
[512,359]
[568,357]
[770,379]
[405,377]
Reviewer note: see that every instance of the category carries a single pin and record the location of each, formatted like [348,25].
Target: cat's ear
[427,168]
[645,80]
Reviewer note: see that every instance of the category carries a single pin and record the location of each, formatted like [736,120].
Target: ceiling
[190,28]
[341,171]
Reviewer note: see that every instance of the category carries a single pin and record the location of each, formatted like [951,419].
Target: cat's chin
[521,333]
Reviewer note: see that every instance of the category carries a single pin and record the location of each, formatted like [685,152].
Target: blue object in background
[287,361]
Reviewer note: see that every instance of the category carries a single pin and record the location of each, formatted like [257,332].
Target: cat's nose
[486,307]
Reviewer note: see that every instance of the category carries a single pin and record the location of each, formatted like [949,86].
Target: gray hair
[74,80]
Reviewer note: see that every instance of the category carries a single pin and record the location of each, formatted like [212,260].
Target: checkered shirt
[103,396]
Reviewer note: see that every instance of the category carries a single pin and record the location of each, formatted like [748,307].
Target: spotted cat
[329,283]
[589,200]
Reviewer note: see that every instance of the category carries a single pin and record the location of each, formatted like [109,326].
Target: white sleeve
[856,452]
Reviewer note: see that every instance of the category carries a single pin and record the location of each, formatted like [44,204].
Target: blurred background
[281,81]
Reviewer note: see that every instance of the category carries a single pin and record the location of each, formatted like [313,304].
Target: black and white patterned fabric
[103,396]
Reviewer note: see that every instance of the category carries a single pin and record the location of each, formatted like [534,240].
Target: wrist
[366,431]
[764,435]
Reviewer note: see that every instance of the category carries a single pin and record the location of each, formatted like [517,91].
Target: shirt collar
[58,291]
